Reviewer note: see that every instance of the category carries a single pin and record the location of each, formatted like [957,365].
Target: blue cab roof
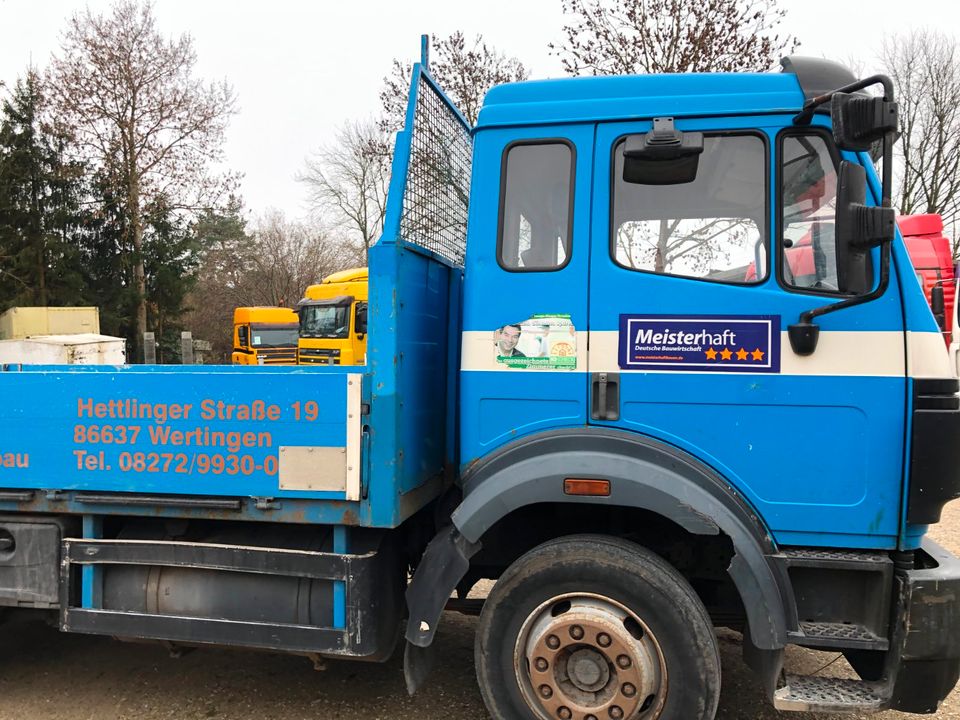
[626,97]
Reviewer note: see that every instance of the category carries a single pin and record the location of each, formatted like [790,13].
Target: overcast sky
[302,68]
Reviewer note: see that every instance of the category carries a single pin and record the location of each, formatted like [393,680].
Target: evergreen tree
[171,258]
[40,210]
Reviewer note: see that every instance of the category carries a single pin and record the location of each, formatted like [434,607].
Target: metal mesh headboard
[437,191]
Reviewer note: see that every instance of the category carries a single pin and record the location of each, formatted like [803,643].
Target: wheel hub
[588,670]
[583,657]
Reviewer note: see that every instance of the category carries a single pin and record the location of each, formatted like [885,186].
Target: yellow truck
[333,320]
[265,336]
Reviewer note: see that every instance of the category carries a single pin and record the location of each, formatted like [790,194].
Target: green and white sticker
[542,341]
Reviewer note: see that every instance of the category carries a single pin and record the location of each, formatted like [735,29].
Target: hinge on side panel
[266,503]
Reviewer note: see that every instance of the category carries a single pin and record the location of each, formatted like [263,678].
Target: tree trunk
[660,261]
[41,274]
[139,275]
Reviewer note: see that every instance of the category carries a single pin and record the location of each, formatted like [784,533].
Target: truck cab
[333,320]
[633,325]
[264,336]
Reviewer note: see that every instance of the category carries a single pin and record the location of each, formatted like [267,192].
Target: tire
[590,627]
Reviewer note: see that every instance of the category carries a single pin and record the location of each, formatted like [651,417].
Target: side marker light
[584,486]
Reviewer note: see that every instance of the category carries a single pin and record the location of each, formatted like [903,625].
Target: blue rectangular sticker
[700,343]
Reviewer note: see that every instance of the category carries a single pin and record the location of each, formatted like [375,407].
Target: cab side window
[808,194]
[536,210]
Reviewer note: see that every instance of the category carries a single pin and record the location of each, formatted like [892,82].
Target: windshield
[273,336]
[325,321]
[712,228]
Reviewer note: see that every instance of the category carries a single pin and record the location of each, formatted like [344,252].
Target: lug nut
[590,717]
[628,690]
[623,662]
[576,632]
[541,664]
[546,692]
[564,713]
[603,640]
[615,712]
[553,642]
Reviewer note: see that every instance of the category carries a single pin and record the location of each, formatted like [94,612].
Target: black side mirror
[360,322]
[859,121]
[938,306]
[858,229]
[664,156]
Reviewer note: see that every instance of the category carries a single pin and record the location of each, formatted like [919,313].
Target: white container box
[84,349]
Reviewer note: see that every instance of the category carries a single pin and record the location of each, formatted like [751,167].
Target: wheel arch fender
[643,473]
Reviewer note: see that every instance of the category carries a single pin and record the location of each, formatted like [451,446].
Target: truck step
[839,635]
[825,694]
[822,557]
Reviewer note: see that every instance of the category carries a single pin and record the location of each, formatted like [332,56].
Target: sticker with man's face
[541,341]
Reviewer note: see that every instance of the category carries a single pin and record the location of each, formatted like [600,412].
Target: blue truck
[592,377]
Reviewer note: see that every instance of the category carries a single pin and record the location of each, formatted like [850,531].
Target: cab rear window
[536,209]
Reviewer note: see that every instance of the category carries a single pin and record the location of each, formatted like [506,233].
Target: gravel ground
[45,675]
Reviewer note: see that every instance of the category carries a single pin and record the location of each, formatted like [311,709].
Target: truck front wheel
[596,628]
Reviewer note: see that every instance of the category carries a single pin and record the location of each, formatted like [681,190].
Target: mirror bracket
[874,225]
[663,156]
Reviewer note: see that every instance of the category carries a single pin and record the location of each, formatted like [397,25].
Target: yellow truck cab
[333,320]
[264,336]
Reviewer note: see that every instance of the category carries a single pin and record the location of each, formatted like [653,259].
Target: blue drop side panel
[46,416]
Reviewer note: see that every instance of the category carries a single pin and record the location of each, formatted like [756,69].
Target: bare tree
[348,181]
[465,70]
[291,255]
[131,96]
[270,264]
[925,68]
[625,37]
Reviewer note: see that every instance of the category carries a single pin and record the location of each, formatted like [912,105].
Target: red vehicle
[929,250]
[932,258]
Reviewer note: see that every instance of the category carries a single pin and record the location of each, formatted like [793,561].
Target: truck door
[524,352]
[688,319]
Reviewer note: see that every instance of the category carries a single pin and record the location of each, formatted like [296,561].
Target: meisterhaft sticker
[700,343]
[542,341]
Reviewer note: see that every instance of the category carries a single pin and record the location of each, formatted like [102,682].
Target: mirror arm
[806,114]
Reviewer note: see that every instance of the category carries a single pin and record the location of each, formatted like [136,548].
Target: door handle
[605,403]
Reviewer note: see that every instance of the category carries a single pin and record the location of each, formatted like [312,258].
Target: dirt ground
[45,675]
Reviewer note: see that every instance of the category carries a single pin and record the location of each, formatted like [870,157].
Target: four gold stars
[742,354]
